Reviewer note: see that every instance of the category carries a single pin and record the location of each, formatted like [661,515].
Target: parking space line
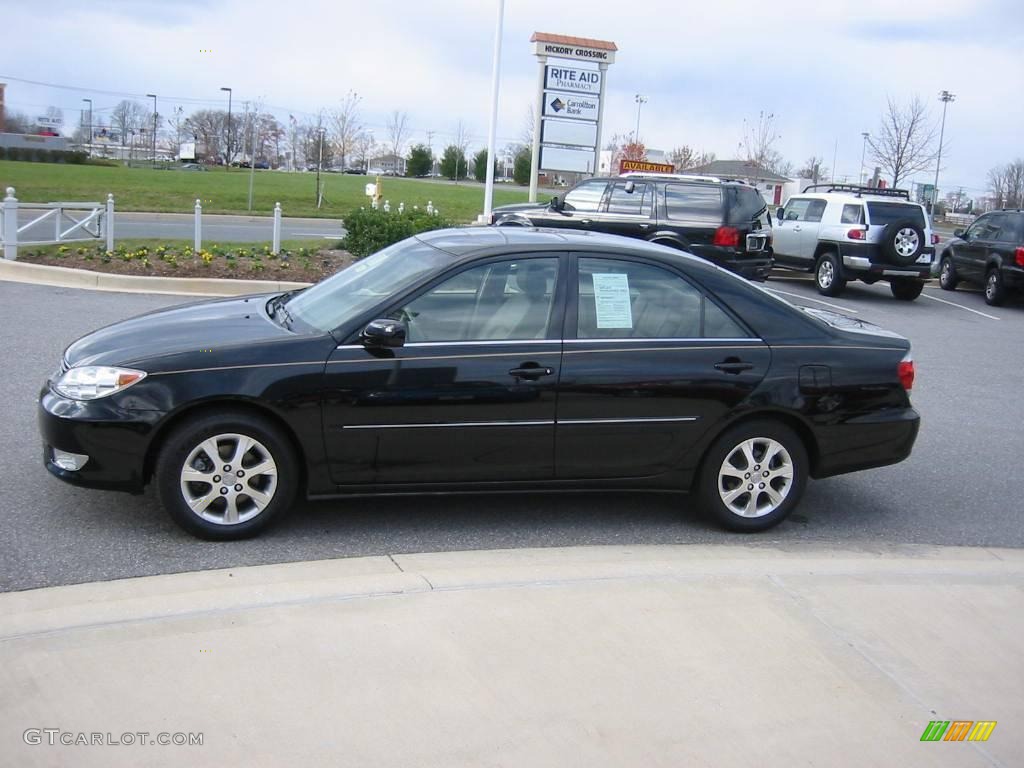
[958,306]
[817,301]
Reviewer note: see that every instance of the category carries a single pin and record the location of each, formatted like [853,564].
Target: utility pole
[227,161]
[945,97]
[319,163]
[863,150]
[495,79]
[89,130]
[252,157]
[153,97]
[640,101]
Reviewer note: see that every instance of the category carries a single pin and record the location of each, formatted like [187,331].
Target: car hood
[207,325]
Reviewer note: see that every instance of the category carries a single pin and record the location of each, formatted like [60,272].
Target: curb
[66,277]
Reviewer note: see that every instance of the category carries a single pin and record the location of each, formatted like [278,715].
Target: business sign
[573,80]
[50,122]
[564,105]
[572,132]
[566,159]
[571,51]
[644,167]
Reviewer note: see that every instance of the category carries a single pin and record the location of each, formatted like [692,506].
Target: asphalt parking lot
[962,486]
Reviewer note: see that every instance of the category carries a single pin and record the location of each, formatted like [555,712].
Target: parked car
[192,167]
[989,253]
[725,222]
[480,358]
[261,165]
[849,232]
[356,171]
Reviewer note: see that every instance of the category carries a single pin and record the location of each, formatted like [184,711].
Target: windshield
[366,283]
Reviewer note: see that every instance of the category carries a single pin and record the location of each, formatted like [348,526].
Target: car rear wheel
[828,275]
[906,290]
[753,476]
[948,279]
[226,476]
[995,290]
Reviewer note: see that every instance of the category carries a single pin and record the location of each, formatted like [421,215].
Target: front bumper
[115,440]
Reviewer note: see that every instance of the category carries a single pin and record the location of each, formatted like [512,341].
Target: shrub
[371,230]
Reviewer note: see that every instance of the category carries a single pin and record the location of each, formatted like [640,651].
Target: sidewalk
[600,656]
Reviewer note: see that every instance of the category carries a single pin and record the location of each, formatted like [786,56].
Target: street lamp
[153,97]
[319,164]
[227,161]
[89,143]
[640,101]
[863,150]
[495,79]
[945,97]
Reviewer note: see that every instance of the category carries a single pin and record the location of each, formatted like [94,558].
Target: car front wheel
[226,476]
[828,275]
[753,476]
[948,279]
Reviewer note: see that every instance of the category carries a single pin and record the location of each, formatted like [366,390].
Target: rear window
[883,214]
[693,202]
[750,207]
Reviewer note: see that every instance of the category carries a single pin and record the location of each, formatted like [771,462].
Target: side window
[815,210]
[852,214]
[693,202]
[637,202]
[1013,230]
[585,197]
[984,228]
[796,209]
[503,300]
[628,300]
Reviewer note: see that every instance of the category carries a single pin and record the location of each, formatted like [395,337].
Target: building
[392,163]
[768,183]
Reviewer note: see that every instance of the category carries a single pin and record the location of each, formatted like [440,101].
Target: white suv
[847,232]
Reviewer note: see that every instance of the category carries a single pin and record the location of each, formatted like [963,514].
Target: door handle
[796,229]
[645,227]
[586,222]
[530,371]
[733,365]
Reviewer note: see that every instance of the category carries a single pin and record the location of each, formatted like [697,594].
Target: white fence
[72,223]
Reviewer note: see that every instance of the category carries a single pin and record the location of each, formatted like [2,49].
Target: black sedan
[482,359]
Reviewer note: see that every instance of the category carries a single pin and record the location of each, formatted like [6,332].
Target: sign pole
[535,157]
[495,79]
[603,68]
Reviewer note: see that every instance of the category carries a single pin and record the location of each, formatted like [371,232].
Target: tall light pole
[89,134]
[640,101]
[227,161]
[495,77]
[153,97]
[863,151]
[319,163]
[945,97]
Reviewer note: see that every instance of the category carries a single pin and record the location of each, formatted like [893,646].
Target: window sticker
[611,297]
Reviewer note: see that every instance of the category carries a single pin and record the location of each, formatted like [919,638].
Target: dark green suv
[725,222]
[989,253]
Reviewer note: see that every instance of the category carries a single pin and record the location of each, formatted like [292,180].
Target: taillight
[935,239]
[855,234]
[905,370]
[727,236]
[1019,255]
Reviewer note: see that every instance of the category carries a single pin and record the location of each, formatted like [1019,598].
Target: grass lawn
[222,191]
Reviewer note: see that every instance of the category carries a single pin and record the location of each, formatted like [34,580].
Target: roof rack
[861,190]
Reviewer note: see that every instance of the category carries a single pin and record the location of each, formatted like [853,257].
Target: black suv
[725,222]
[989,253]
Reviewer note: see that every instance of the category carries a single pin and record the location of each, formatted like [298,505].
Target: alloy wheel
[907,242]
[826,273]
[755,478]
[228,479]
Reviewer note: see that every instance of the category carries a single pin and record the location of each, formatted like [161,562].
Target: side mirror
[556,203]
[958,233]
[384,333]
[630,187]
[780,214]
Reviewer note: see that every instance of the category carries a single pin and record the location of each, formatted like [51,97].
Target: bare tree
[345,125]
[207,126]
[127,117]
[686,157]
[1015,183]
[997,184]
[363,148]
[813,169]
[178,123]
[462,136]
[906,140]
[757,145]
[529,123]
[398,132]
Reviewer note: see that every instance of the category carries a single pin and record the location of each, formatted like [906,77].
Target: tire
[188,449]
[902,242]
[828,275]
[906,290]
[995,288]
[724,472]
[948,279]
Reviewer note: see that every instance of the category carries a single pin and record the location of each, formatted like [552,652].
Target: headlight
[92,381]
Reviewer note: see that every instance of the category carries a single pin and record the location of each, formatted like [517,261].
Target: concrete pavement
[624,656]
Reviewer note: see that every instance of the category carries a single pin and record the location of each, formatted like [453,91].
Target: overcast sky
[824,68]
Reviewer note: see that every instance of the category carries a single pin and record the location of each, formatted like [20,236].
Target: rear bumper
[863,442]
[753,266]
[864,260]
[114,440]
[1013,278]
